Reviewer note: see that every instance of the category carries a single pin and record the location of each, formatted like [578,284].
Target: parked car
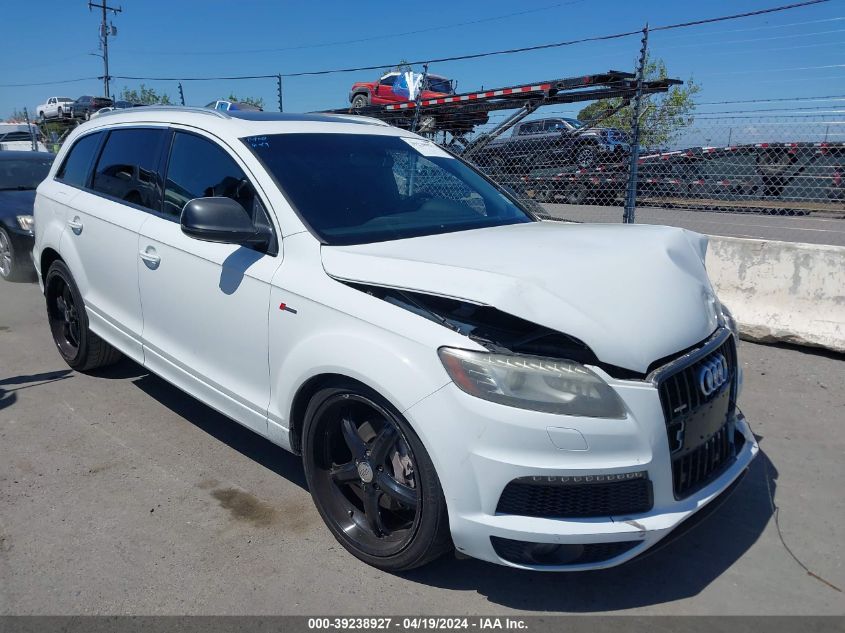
[20,137]
[54,107]
[393,87]
[20,174]
[553,142]
[452,370]
[85,106]
[224,106]
[118,105]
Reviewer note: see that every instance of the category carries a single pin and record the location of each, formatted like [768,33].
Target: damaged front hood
[632,293]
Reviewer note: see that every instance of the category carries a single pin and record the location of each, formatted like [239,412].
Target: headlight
[25,222]
[729,321]
[532,382]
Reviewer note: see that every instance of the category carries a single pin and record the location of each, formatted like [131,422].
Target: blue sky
[740,59]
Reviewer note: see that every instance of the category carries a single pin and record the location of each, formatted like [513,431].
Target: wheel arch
[48,256]
[303,396]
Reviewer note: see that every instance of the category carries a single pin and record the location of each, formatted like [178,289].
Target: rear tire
[372,480]
[78,345]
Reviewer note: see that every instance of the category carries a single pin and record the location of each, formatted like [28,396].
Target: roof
[238,124]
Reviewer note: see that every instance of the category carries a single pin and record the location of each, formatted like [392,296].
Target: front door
[205,304]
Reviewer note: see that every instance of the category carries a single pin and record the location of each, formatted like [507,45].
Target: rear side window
[200,169]
[128,165]
[74,171]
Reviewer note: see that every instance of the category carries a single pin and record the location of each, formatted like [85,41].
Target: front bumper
[22,242]
[478,447]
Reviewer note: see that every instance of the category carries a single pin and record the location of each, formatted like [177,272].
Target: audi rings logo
[713,374]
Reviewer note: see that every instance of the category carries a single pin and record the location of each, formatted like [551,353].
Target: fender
[361,90]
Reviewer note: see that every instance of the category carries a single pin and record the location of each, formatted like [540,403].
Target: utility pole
[105,31]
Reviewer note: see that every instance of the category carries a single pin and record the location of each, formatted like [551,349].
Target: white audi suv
[454,371]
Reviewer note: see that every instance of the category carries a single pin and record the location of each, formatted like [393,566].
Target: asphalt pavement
[121,495]
[811,229]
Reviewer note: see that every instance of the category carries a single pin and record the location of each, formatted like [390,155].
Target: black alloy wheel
[372,481]
[64,317]
[81,348]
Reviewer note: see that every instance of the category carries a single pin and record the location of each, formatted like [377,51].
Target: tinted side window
[127,167]
[74,171]
[200,169]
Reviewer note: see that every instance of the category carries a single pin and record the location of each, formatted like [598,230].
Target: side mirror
[220,220]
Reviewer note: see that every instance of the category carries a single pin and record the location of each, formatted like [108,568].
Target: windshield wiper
[17,188]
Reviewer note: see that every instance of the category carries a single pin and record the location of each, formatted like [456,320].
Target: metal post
[279,90]
[419,99]
[32,137]
[181,94]
[631,197]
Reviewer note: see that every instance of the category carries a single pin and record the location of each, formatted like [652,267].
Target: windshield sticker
[426,147]
[258,141]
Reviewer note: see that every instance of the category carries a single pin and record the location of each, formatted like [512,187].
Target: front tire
[372,480]
[586,156]
[9,268]
[360,101]
[79,346]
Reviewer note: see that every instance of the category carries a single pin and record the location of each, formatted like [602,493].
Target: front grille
[555,500]
[527,553]
[697,423]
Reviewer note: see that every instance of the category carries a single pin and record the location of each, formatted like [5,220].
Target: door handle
[75,225]
[150,258]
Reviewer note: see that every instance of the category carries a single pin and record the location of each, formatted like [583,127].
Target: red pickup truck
[392,87]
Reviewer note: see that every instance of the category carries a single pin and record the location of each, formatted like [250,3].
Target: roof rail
[171,108]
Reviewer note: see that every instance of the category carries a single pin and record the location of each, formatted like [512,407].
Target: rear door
[100,242]
[206,305]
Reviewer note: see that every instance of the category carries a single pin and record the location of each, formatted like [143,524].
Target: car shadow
[248,443]
[681,569]
[9,386]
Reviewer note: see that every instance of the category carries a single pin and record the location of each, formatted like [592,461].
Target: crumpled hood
[632,293]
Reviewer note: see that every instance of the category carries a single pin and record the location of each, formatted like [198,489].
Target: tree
[663,116]
[258,102]
[145,95]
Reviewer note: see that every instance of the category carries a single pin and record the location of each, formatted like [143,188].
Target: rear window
[74,171]
[127,168]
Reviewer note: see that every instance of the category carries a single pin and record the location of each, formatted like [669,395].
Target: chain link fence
[753,163]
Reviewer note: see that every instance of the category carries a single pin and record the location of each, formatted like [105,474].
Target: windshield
[439,84]
[23,173]
[574,123]
[359,188]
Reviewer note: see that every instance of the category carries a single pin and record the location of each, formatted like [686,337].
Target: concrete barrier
[781,291]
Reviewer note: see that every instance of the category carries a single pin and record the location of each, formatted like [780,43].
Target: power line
[509,51]
[51,83]
[829,97]
[756,39]
[765,27]
[363,39]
